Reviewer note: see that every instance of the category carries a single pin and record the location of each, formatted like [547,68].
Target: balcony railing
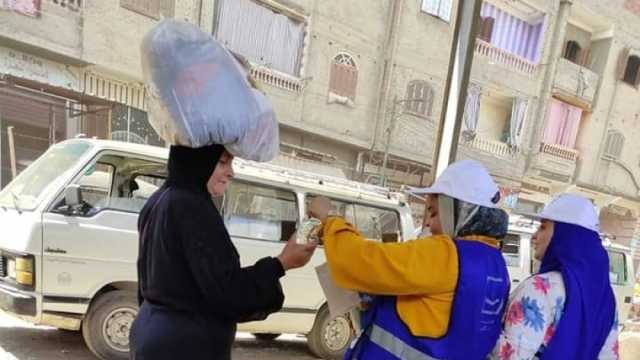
[276,79]
[576,81]
[505,58]
[559,151]
[491,146]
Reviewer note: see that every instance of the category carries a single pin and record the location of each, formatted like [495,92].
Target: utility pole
[464,39]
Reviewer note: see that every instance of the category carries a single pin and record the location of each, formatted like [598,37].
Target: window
[573,51]
[261,34]
[95,185]
[260,212]
[118,183]
[132,125]
[614,145]
[632,71]
[421,95]
[27,189]
[374,223]
[438,8]
[563,124]
[510,33]
[24,7]
[617,268]
[511,250]
[344,77]
[486,28]
[155,9]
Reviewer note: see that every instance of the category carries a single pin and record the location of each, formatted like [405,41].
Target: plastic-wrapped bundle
[199,94]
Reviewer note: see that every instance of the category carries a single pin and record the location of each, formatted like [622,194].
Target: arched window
[419,98]
[344,76]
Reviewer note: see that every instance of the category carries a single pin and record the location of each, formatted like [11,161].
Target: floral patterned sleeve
[534,309]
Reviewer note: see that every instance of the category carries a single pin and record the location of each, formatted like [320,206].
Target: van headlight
[20,269]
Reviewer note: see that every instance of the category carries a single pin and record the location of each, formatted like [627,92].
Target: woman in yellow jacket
[440,296]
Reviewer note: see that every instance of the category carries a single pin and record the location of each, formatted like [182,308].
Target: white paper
[340,301]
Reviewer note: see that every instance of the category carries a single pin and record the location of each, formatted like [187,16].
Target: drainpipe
[607,122]
[359,165]
[198,17]
[559,32]
[389,54]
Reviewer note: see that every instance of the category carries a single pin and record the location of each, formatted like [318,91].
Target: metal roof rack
[317,179]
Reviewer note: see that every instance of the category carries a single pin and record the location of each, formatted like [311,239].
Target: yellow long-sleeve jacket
[422,273]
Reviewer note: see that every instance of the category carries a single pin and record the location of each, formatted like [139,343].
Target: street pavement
[22,341]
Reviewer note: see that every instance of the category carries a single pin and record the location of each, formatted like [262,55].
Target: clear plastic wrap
[199,94]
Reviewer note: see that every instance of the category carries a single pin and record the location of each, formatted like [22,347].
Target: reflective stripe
[395,346]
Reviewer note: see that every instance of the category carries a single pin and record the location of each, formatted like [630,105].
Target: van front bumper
[17,301]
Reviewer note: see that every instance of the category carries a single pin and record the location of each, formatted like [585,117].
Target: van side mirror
[72,196]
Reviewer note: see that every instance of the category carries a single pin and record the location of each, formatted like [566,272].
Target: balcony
[576,82]
[556,162]
[505,58]
[560,152]
[492,147]
[276,79]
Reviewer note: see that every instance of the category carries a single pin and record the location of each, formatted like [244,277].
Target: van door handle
[515,280]
[627,300]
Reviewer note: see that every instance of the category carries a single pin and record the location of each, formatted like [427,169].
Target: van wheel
[106,326]
[329,339]
[266,337]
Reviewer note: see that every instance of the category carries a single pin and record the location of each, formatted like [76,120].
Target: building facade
[358,87]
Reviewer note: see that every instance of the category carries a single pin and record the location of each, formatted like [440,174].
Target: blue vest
[476,317]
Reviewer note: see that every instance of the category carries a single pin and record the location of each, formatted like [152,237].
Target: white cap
[465,180]
[571,209]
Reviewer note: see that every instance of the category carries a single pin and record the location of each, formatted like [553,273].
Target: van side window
[260,212]
[511,250]
[617,268]
[373,223]
[117,182]
[95,185]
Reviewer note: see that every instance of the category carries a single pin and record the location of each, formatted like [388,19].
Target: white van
[69,243]
[518,252]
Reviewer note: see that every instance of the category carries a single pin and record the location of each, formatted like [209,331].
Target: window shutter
[428,101]
[615,144]
[486,29]
[343,80]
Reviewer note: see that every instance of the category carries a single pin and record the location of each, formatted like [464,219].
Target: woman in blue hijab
[567,310]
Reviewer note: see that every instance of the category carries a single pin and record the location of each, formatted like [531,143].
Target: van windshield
[24,191]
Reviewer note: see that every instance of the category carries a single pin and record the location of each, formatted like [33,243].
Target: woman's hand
[296,255]
[319,208]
